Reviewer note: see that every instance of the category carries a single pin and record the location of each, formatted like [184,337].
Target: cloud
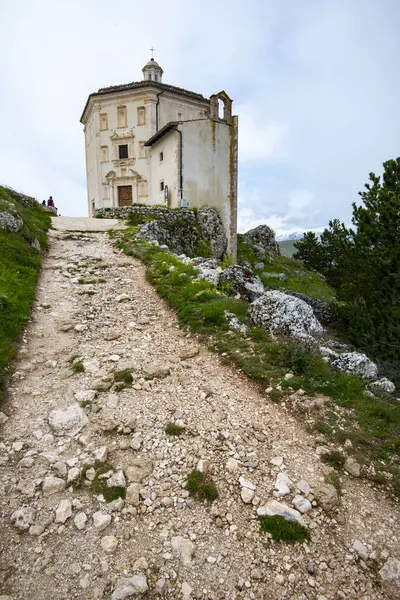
[313,84]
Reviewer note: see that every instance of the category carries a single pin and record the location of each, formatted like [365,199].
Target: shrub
[199,486]
[283,530]
[174,429]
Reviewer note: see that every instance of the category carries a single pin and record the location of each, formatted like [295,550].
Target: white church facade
[152,143]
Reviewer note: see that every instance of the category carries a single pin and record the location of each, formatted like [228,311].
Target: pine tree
[370,283]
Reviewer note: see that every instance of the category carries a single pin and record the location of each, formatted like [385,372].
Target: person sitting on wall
[50,201]
[44,203]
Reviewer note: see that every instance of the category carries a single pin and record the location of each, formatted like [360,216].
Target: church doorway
[124,195]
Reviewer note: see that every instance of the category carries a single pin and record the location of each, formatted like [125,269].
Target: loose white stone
[112,401]
[304,487]
[101,454]
[302,504]
[80,520]
[68,421]
[247,495]
[352,467]
[109,543]
[277,461]
[52,485]
[117,479]
[24,517]
[246,484]
[275,508]
[212,560]
[232,465]
[283,484]
[114,358]
[101,521]
[73,475]
[390,578]
[85,395]
[184,548]
[361,550]
[63,511]
[126,587]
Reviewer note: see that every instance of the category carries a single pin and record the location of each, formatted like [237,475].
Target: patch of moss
[78,367]
[173,429]
[99,485]
[201,487]
[333,479]
[283,530]
[335,459]
[125,377]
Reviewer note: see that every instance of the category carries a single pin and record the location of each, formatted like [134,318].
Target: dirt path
[180,548]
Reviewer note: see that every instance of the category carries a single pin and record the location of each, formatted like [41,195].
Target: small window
[121,114]
[142,150]
[161,186]
[141,115]
[123,151]
[161,156]
[103,121]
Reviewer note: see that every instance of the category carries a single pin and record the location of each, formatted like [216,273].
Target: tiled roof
[141,84]
[161,132]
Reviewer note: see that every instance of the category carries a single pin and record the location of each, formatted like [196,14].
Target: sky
[315,84]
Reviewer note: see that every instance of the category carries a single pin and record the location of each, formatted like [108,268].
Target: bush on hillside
[19,268]
[363,265]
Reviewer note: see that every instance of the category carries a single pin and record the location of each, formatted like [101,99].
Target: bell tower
[152,70]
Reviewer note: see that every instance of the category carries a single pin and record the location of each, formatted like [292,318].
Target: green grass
[334,459]
[287,248]
[372,424]
[91,281]
[201,487]
[334,479]
[98,485]
[299,278]
[174,429]
[283,530]
[19,270]
[87,293]
[124,376]
[78,367]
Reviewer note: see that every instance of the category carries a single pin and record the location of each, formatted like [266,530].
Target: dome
[152,71]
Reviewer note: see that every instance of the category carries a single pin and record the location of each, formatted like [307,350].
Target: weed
[334,459]
[333,479]
[78,367]
[87,293]
[124,377]
[199,486]
[99,484]
[174,429]
[91,281]
[283,530]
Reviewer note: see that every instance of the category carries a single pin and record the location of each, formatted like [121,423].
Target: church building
[149,142]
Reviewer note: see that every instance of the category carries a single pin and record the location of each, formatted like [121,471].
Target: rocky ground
[61,427]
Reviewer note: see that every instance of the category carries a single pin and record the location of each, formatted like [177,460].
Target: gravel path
[85,224]
[67,543]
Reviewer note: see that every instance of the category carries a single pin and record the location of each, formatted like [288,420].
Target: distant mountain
[289,236]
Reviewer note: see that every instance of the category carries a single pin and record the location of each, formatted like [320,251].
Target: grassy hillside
[287,248]
[19,267]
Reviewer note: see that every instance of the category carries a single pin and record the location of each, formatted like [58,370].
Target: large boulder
[243,282]
[213,231]
[382,385]
[356,363]
[10,222]
[390,578]
[262,241]
[281,314]
[321,309]
[68,421]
